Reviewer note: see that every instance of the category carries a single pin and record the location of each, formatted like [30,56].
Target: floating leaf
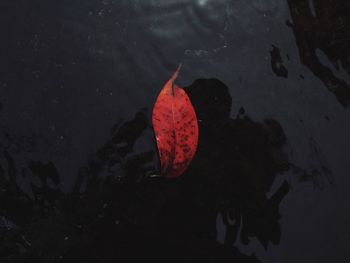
[176,128]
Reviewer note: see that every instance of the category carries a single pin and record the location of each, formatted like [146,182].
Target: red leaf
[176,128]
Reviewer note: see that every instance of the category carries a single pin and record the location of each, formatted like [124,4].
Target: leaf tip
[176,73]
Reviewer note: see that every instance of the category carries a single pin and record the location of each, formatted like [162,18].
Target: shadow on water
[116,212]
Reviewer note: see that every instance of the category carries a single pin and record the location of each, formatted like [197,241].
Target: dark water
[270,84]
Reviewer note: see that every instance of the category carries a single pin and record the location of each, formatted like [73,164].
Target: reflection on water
[275,123]
[231,176]
[324,26]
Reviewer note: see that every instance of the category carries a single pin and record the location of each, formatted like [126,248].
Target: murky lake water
[270,84]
